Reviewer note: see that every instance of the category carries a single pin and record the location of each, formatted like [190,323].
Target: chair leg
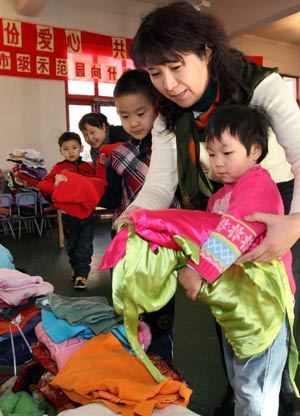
[4,228]
[37,227]
[19,229]
[27,225]
[61,237]
[11,230]
[42,224]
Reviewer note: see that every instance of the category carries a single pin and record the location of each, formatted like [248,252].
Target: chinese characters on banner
[39,51]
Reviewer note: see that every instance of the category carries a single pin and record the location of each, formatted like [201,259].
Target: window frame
[96,101]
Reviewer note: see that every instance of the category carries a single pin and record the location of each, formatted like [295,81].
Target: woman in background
[97,131]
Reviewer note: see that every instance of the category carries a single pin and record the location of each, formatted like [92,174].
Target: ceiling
[283,30]
[286,29]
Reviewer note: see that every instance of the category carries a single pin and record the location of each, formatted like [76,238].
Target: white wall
[33,112]
[283,55]
[33,115]
[242,16]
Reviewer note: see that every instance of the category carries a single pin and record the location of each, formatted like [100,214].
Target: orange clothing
[103,371]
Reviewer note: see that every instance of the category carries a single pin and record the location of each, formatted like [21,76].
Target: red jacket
[46,186]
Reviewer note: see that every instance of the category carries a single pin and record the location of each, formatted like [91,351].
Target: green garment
[19,404]
[93,312]
[250,302]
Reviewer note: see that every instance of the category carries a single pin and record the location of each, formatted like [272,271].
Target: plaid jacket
[126,173]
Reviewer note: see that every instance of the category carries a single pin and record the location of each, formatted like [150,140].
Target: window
[85,97]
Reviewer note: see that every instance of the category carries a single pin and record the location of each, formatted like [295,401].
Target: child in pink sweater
[237,141]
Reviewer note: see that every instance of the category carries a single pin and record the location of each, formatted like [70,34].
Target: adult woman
[96,131]
[191,64]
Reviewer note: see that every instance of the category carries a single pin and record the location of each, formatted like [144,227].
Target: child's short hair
[250,125]
[135,81]
[94,119]
[69,135]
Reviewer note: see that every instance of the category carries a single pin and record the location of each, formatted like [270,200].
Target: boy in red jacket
[79,233]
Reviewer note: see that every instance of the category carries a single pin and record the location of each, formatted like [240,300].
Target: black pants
[79,235]
[161,324]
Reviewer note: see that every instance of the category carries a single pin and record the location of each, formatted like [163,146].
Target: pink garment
[255,191]
[159,227]
[61,352]
[223,238]
[16,286]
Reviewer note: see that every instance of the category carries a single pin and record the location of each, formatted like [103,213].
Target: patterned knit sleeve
[233,236]
[229,241]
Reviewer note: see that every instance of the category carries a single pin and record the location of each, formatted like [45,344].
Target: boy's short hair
[250,125]
[94,119]
[67,136]
[135,81]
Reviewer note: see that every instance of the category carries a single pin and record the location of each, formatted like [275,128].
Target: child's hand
[103,159]
[123,218]
[60,178]
[191,281]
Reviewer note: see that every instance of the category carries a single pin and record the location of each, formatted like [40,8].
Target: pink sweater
[255,191]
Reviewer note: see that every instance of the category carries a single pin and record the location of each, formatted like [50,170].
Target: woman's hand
[282,233]
[123,218]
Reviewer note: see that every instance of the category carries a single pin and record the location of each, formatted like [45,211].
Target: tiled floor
[195,346]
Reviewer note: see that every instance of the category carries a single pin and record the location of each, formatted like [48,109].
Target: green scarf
[193,183]
[192,180]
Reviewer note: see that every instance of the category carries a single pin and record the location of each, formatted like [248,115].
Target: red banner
[39,51]
[256,59]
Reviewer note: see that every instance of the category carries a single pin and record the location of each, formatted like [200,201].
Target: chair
[104,214]
[47,212]
[27,211]
[6,217]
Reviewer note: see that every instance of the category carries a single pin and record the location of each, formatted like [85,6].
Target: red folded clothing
[79,195]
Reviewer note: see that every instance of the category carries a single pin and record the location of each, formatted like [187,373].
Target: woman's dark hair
[250,125]
[179,28]
[135,81]
[67,136]
[94,119]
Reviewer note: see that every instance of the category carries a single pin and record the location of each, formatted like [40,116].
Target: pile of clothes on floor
[79,360]
[18,313]
[28,169]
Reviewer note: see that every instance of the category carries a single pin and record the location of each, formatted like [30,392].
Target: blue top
[6,259]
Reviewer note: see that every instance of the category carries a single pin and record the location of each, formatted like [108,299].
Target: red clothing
[107,149]
[46,186]
[78,196]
